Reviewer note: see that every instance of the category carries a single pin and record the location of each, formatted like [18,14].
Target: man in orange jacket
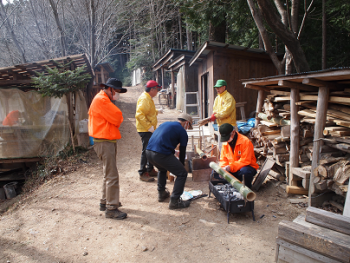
[104,121]
[237,154]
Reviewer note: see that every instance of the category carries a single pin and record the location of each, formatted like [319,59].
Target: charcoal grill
[226,195]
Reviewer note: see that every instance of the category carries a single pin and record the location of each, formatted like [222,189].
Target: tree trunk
[257,16]
[180,31]
[12,33]
[59,26]
[217,33]
[285,34]
[92,33]
[324,35]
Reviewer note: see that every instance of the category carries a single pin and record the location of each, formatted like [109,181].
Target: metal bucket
[10,190]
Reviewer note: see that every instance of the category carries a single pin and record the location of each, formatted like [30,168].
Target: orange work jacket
[11,118]
[243,155]
[104,118]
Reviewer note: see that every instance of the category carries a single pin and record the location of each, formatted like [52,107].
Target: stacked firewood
[271,137]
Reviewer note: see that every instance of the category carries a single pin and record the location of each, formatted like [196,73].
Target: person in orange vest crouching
[237,155]
[104,122]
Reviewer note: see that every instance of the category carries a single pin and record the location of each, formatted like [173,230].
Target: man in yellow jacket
[146,123]
[104,121]
[237,154]
[224,109]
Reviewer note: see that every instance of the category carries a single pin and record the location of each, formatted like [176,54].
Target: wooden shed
[173,61]
[232,63]
[321,99]
[40,123]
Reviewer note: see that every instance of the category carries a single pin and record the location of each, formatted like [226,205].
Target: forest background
[132,34]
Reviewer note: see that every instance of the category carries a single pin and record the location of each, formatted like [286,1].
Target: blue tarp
[243,127]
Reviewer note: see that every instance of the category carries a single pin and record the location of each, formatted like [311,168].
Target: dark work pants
[169,163]
[145,165]
[248,173]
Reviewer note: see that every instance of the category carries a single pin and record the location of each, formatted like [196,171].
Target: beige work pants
[107,152]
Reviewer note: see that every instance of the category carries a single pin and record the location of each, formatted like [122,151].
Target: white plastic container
[83,126]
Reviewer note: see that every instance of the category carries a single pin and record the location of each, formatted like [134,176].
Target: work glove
[151,129]
[227,168]
[213,118]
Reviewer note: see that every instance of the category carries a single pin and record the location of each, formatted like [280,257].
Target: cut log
[302,172]
[320,170]
[280,121]
[281,139]
[281,158]
[317,179]
[285,131]
[280,93]
[333,159]
[296,190]
[322,185]
[340,189]
[339,133]
[337,205]
[286,107]
[342,173]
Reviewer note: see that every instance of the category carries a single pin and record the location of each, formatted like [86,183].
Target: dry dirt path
[61,221]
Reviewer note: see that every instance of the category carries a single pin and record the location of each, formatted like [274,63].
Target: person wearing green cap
[224,110]
[237,155]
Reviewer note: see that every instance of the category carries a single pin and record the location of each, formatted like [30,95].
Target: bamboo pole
[202,155]
[245,191]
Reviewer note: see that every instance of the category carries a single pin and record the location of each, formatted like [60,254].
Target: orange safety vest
[104,118]
[243,155]
[11,118]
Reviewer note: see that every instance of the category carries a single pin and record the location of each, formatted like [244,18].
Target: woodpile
[272,137]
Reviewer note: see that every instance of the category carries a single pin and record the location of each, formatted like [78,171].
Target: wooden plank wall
[233,68]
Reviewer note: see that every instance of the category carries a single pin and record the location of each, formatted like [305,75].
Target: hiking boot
[162,195]
[146,178]
[153,173]
[103,206]
[178,203]
[115,214]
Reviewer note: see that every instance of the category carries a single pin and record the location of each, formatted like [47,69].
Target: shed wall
[234,67]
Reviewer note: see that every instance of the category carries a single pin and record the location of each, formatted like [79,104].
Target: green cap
[220,83]
[225,131]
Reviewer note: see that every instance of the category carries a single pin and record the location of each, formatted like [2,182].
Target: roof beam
[294,85]
[250,86]
[320,83]
[15,82]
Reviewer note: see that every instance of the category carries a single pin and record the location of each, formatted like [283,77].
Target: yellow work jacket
[146,113]
[242,156]
[225,108]
[104,118]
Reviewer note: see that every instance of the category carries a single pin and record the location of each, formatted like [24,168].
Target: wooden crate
[201,175]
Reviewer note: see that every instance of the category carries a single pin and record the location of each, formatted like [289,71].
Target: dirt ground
[61,221]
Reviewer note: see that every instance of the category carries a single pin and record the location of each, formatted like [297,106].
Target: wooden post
[259,105]
[172,89]
[322,104]
[294,134]
[347,205]
[162,70]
